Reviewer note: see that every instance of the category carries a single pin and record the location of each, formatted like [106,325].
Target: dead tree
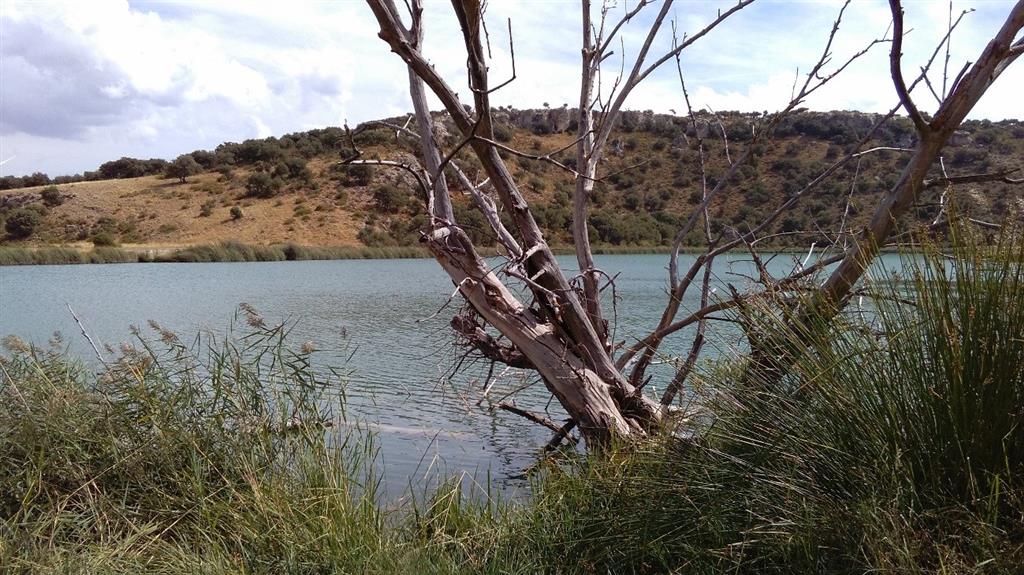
[562,332]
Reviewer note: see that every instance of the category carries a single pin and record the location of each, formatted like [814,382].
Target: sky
[89,81]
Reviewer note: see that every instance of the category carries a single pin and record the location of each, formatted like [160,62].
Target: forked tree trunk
[556,335]
[601,408]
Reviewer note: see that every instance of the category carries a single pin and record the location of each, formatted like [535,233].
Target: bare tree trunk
[587,158]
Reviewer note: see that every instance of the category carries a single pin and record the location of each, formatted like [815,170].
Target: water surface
[377,318]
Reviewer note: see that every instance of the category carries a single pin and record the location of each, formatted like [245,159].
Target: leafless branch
[538,419]
[1001,176]
[895,59]
[560,436]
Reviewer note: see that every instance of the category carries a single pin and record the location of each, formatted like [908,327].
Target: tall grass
[11,256]
[231,251]
[228,251]
[176,456]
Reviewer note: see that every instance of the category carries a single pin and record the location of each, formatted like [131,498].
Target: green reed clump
[232,251]
[173,457]
[228,251]
[14,256]
[110,255]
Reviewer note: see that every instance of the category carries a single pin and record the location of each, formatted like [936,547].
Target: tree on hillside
[36,179]
[182,167]
[559,328]
[262,185]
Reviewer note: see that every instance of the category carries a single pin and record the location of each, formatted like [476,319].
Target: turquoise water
[375,318]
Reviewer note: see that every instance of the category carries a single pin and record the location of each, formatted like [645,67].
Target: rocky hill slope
[294,189]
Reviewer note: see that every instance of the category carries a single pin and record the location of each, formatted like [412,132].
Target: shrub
[236,213]
[371,236]
[206,210]
[358,174]
[262,185]
[388,199]
[22,222]
[293,167]
[51,197]
[104,239]
[502,132]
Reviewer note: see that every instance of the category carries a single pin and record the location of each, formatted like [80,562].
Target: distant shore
[240,252]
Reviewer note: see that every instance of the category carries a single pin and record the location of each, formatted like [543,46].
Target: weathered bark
[599,407]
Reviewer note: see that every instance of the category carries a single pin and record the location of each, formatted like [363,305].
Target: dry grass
[165,214]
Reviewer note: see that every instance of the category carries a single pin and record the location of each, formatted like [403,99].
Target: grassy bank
[895,445]
[222,252]
[17,256]
[231,251]
[240,252]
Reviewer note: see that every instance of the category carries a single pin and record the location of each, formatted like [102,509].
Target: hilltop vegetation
[294,189]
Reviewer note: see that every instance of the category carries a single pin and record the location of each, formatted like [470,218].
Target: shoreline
[239,252]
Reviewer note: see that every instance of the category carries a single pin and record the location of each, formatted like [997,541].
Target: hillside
[293,190]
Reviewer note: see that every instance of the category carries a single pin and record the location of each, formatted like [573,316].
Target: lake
[375,318]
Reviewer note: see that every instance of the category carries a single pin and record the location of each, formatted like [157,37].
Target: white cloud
[85,82]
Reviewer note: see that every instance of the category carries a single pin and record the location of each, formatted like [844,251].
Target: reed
[175,456]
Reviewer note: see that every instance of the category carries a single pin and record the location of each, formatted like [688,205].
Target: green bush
[182,167]
[388,199]
[104,239]
[502,133]
[373,237]
[22,222]
[206,210]
[51,197]
[358,174]
[262,185]
[236,213]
